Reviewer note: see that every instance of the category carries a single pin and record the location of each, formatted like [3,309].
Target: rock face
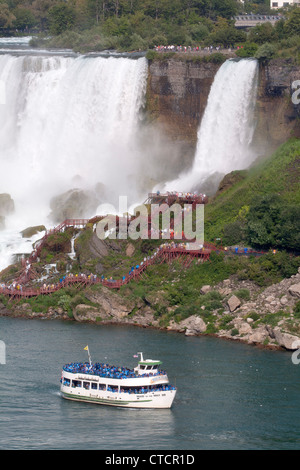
[178,92]
[75,203]
[275,99]
[177,97]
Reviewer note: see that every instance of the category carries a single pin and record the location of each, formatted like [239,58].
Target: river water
[230,395]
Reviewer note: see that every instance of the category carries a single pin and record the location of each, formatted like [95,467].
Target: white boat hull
[162,399]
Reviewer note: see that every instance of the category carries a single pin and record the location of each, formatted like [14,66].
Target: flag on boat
[86,348]
[135,355]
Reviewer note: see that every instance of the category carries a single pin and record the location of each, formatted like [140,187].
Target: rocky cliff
[178,92]
[176,99]
[277,117]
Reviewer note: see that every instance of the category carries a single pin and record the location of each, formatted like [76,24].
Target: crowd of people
[70,278]
[105,370]
[207,49]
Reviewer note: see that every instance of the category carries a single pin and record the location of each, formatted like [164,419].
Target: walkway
[167,252]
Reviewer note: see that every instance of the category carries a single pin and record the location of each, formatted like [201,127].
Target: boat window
[134,389]
[86,385]
[155,367]
[76,383]
[112,388]
[94,386]
[142,367]
[66,382]
[102,387]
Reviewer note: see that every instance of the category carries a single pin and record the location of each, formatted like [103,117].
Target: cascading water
[66,122]
[74,121]
[226,131]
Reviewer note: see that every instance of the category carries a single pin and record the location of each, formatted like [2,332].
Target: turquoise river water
[230,395]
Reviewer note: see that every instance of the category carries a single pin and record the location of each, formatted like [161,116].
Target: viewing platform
[173,197]
[250,21]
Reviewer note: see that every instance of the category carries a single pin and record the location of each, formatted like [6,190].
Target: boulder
[259,335]
[233,303]
[286,340]
[205,289]
[75,203]
[193,325]
[295,290]
[83,313]
[111,305]
[30,231]
[245,329]
[130,250]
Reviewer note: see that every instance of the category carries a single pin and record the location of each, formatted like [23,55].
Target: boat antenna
[90,359]
[141,356]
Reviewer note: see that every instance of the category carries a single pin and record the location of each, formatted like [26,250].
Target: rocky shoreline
[264,318]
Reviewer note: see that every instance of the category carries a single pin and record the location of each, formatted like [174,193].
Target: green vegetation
[261,209]
[95,25]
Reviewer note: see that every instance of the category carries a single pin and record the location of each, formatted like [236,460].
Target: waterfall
[67,122]
[226,131]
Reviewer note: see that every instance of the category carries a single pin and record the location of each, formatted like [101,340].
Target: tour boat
[145,386]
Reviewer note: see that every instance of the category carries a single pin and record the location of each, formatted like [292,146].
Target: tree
[6,17]
[25,19]
[271,222]
[61,18]
[292,25]
[265,52]
[225,8]
[262,33]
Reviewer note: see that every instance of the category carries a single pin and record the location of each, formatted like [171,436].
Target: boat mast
[141,354]
[90,359]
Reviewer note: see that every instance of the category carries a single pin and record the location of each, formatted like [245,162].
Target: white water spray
[227,128]
[66,122]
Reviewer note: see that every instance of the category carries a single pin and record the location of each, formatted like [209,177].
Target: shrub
[243,294]
[266,52]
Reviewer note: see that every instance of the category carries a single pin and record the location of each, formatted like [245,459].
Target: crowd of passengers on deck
[105,370]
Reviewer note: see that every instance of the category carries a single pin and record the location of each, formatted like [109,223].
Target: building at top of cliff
[275,4]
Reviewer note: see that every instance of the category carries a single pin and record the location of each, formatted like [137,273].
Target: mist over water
[226,131]
[76,122]
[68,123]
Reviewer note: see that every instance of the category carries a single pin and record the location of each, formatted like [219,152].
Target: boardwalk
[167,252]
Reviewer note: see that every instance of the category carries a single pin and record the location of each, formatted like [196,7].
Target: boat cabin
[147,366]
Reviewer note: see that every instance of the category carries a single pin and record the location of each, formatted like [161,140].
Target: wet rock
[75,203]
[30,231]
